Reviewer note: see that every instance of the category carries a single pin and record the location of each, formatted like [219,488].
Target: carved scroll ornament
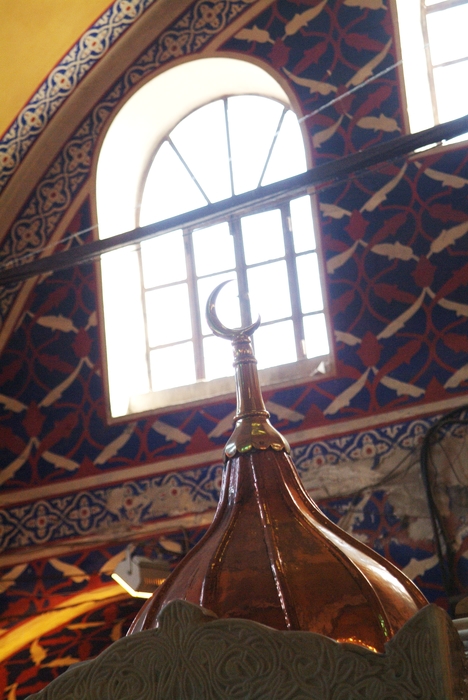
[192,655]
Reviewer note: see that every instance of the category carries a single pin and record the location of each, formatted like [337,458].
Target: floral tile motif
[63,79]
[349,467]
[130,504]
[65,178]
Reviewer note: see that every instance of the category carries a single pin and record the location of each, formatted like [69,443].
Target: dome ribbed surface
[270,554]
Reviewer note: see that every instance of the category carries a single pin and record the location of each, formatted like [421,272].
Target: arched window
[225,139]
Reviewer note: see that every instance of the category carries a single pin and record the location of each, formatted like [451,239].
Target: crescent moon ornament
[252,428]
[219,328]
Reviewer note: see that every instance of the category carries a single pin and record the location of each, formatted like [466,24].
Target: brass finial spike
[253,430]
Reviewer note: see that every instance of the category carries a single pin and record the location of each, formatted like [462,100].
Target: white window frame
[122,166]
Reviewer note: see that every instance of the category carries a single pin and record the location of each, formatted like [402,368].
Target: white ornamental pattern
[35,116]
[330,468]
[124,507]
[61,183]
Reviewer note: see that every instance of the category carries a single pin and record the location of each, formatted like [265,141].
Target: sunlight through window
[222,148]
[435,60]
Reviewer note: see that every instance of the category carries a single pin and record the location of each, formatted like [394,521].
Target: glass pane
[275,345]
[447,34]
[125,331]
[172,366]
[269,291]
[316,339]
[452,95]
[218,357]
[288,157]
[416,78]
[309,283]
[253,121]
[163,259]
[302,224]
[201,140]
[168,315]
[227,304]
[169,189]
[214,249]
[262,235]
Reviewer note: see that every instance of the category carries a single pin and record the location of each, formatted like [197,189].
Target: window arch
[206,146]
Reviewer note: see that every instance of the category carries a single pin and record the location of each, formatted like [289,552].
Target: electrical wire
[26,257]
[349,92]
[443,542]
[319,188]
[398,471]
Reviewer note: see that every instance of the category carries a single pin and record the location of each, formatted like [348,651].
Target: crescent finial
[219,328]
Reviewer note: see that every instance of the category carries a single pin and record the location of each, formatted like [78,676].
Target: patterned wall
[395,245]
[59,85]
[32,668]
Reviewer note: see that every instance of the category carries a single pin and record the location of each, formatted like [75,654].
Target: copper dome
[270,554]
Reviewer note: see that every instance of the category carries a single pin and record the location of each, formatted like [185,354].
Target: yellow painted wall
[34,35]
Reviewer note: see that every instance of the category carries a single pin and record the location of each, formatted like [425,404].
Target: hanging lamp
[270,554]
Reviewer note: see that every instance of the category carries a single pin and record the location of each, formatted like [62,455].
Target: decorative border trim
[299,441]
[242,655]
[54,192]
[178,493]
[62,80]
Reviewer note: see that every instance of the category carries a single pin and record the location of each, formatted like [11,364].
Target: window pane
[218,357]
[173,366]
[201,140]
[155,254]
[275,345]
[168,315]
[169,189]
[125,330]
[214,249]
[253,122]
[227,303]
[418,95]
[269,291]
[316,339]
[452,95]
[288,157]
[447,34]
[262,235]
[309,283]
[302,224]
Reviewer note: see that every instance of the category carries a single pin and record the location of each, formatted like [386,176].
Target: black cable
[399,146]
[442,540]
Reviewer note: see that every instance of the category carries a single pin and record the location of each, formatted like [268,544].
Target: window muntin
[130,358]
[444,27]
[435,60]
[280,283]
[446,32]
[227,147]
[269,253]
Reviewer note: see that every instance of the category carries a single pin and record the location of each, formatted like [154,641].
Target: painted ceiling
[34,36]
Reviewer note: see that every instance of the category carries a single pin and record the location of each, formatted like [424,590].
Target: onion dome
[270,554]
